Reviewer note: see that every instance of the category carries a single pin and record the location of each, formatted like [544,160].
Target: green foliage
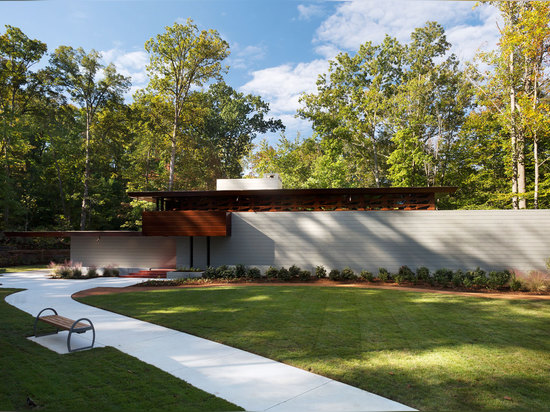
[384,275]
[110,270]
[305,275]
[240,271]
[272,273]
[334,274]
[515,285]
[443,276]
[225,272]
[294,272]
[209,273]
[368,276]
[284,274]
[254,273]
[423,273]
[320,272]
[348,274]
[498,279]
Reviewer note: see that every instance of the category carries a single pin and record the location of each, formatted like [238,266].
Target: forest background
[390,114]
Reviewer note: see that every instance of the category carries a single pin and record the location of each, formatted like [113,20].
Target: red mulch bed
[326,283]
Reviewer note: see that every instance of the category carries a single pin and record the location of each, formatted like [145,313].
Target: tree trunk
[84,211]
[60,184]
[513,135]
[173,152]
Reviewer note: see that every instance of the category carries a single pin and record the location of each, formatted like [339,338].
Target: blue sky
[278,48]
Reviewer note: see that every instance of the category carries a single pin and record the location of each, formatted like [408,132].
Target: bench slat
[63,322]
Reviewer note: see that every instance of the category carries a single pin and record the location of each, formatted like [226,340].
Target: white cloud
[241,57]
[130,64]
[358,21]
[283,85]
[306,12]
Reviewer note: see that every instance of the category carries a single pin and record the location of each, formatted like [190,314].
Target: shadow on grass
[99,379]
[427,350]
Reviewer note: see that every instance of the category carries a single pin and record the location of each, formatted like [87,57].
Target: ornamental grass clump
[66,270]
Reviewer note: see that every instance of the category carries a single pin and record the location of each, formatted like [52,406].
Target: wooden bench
[61,322]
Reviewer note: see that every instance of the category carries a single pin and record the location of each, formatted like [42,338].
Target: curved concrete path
[250,381]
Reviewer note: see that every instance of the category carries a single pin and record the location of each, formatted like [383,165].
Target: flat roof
[151,195]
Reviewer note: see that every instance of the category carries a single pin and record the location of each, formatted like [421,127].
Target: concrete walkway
[250,381]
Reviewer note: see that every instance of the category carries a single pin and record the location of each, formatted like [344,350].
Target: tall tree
[18,89]
[232,123]
[517,86]
[429,106]
[180,58]
[92,86]
[352,102]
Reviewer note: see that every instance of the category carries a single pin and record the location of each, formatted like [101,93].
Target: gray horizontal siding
[124,252]
[491,239]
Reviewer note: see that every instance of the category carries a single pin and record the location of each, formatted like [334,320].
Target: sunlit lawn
[429,351]
[26,268]
[102,379]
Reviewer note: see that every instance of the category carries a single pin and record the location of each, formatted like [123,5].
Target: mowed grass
[102,379]
[427,350]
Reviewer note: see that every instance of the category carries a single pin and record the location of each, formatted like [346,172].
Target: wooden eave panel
[186,223]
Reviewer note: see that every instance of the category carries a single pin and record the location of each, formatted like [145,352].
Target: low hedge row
[442,277]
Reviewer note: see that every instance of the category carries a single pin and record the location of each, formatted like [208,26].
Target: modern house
[258,223]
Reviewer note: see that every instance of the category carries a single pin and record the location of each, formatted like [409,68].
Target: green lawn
[102,379]
[427,350]
[15,269]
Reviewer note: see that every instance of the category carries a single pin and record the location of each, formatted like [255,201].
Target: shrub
[284,274]
[305,275]
[515,285]
[294,272]
[3,270]
[240,271]
[272,272]
[210,273]
[477,278]
[347,274]
[320,272]
[458,278]
[368,276]
[225,272]
[443,276]
[423,273]
[110,270]
[254,273]
[384,275]
[406,273]
[498,279]
[92,272]
[334,274]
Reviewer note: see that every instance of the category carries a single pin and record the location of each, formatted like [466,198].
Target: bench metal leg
[73,330]
[37,319]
